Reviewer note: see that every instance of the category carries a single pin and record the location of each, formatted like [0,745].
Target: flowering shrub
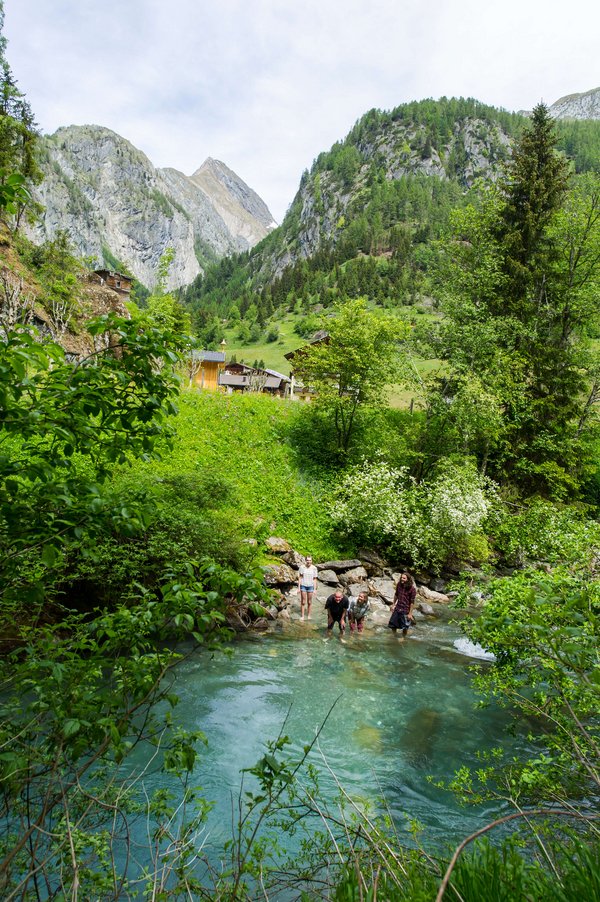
[460,500]
[379,505]
[368,504]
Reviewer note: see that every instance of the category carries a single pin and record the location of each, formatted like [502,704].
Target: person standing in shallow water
[404,599]
[336,607]
[358,610]
[307,585]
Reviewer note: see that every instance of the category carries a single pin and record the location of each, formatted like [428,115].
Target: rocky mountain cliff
[452,142]
[578,106]
[119,208]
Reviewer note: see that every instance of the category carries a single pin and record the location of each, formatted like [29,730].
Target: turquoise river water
[405,711]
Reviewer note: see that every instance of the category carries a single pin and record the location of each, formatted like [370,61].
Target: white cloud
[266,85]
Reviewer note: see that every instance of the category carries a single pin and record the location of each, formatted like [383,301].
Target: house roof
[214,356]
[232,379]
[112,272]
[318,337]
[280,376]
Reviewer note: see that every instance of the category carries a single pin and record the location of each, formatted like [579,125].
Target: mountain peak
[218,179]
[578,106]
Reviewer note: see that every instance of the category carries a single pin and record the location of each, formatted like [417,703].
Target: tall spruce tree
[521,293]
[18,135]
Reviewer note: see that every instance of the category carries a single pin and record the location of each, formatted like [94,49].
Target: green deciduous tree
[351,369]
[64,426]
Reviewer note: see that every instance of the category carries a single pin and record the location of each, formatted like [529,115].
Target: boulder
[293,559]
[339,566]
[354,589]
[275,545]
[284,615]
[373,563]
[430,595]
[437,584]
[329,577]
[383,588]
[279,574]
[425,608]
[353,576]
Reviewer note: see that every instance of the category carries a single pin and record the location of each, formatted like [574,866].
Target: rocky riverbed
[367,572]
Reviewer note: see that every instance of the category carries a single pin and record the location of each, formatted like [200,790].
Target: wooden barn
[115,280]
[205,369]
[297,390]
[244,378]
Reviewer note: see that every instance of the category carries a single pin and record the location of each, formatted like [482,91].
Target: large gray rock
[425,608]
[429,595]
[384,588]
[339,566]
[329,577]
[352,576]
[292,558]
[279,574]
[373,563]
[276,545]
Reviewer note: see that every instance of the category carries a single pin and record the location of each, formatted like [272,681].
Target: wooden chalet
[205,369]
[244,378]
[115,280]
[297,390]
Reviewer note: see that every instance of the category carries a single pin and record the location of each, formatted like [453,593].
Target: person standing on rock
[307,585]
[359,607]
[404,599]
[336,607]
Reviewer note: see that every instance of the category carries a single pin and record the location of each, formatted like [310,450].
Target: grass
[273,353]
[240,442]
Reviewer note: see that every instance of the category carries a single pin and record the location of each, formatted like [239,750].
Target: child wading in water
[358,610]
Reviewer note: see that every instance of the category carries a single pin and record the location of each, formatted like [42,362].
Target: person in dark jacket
[336,607]
[404,599]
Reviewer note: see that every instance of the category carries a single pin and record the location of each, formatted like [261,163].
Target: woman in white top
[307,584]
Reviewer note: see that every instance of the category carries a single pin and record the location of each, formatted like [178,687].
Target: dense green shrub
[427,523]
[546,532]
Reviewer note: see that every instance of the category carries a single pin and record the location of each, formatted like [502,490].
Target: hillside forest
[452,428]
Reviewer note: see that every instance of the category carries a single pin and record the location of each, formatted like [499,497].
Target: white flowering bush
[459,501]
[378,505]
[368,503]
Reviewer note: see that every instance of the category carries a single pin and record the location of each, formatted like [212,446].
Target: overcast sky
[266,85]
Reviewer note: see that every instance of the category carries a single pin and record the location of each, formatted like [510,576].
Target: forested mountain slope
[367,213]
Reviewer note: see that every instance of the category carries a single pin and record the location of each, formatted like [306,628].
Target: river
[404,712]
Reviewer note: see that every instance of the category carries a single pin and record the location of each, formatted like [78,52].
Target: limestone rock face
[323,204]
[112,201]
[577,106]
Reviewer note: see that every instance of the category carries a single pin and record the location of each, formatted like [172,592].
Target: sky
[267,85]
